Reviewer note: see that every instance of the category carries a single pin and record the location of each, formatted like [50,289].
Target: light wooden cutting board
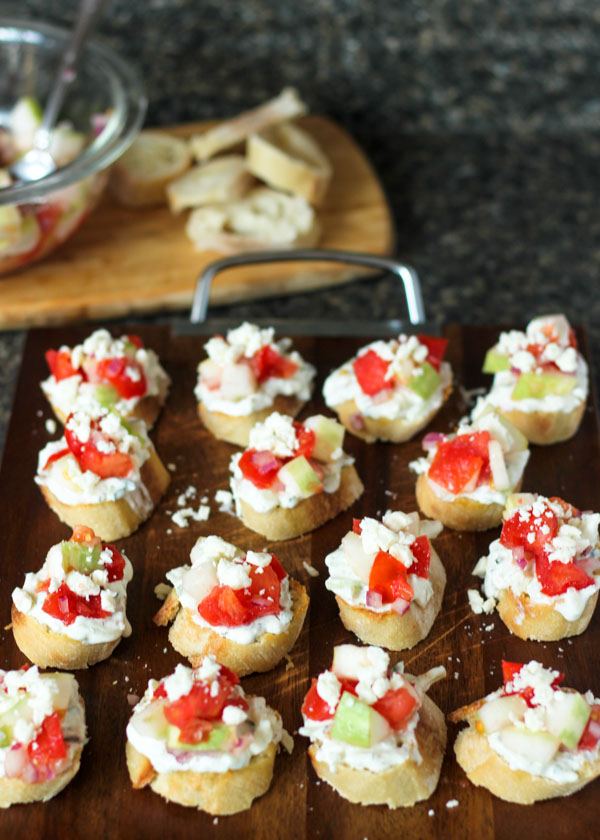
[140,261]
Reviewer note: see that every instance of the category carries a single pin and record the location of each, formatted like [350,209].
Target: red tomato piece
[47,216]
[556,577]
[193,712]
[59,362]
[591,733]
[116,567]
[259,467]
[388,577]
[277,568]
[306,441]
[66,605]
[267,363]
[83,534]
[436,348]
[104,464]
[356,526]
[510,670]
[455,467]
[371,372]
[48,746]
[228,607]
[421,549]
[315,708]
[136,340]
[56,456]
[160,691]
[532,534]
[117,372]
[396,706]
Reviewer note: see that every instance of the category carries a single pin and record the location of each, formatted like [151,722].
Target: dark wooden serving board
[100,802]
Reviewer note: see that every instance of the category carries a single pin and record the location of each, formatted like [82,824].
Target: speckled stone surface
[482,120]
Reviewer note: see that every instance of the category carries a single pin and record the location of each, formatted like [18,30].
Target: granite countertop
[480,119]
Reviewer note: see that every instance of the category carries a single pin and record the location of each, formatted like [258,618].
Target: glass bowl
[106,102]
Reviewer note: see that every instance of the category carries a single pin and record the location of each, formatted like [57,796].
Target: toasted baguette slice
[236,429]
[286,106]
[215,793]
[371,429]
[546,427]
[141,174]
[113,520]
[486,768]
[461,514]
[287,158]
[263,219]
[48,649]
[393,631]
[195,642]
[287,523]
[541,621]
[399,786]
[219,181]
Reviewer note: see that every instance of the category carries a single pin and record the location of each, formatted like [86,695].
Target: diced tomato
[510,670]
[267,363]
[356,526]
[116,567]
[531,534]
[591,733]
[306,441]
[371,371]
[556,577]
[193,712]
[136,340]
[43,586]
[56,456]
[570,511]
[160,691]
[388,577]
[47,216]
[436,348]
[259,467]
[117,372]
[59,362]
[66,605]
[455,464]
[277,568]
[104,464]
[227,607]
[396,706]
[83,534]
[48,747]
[315,708]
[421,549]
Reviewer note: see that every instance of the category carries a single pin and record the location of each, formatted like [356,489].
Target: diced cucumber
[80,557]
[494,361]
[329,436]
[218,738]
[540,385]
[299,478]
[357,723]
[425,383]
[567,716]
[501,712]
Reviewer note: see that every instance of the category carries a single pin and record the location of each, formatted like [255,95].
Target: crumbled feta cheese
[277,435]
[235,575]
[329,688]
[233,715]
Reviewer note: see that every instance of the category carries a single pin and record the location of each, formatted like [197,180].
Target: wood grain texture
[297,806]
[125,261]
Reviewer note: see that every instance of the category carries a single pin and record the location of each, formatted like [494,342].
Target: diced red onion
[589,564]
[518,554]
[63,604]
[15,761]
[357,422]
[30,775]
[265,462]
[374,599]
[431,440]
[400,606]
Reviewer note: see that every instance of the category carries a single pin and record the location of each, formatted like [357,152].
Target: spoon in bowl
[38,162]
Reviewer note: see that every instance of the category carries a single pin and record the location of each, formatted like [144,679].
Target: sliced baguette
[140,176]
[541,622]
[216,182]
[264,219]
[287,158]
[286,106]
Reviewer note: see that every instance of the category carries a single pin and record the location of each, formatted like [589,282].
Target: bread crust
[460,514]
[393,631]
[195,642]
[114,520]
[545,427]
[382,428]
[486,768]
[399,786]
[16,791]
[287,523]
[540,622]
[215,793]
[48,649]
[234,429]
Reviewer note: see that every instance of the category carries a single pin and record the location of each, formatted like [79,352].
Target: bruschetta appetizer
[42,734]
[242,607]
[540,379]
[103,472]
[71,613]
[118,373]
[544,571]
[246,376]
[388,580]
[530,739]
[198,740]
[376,737]
[466,477]
[293,477]
[391,389]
